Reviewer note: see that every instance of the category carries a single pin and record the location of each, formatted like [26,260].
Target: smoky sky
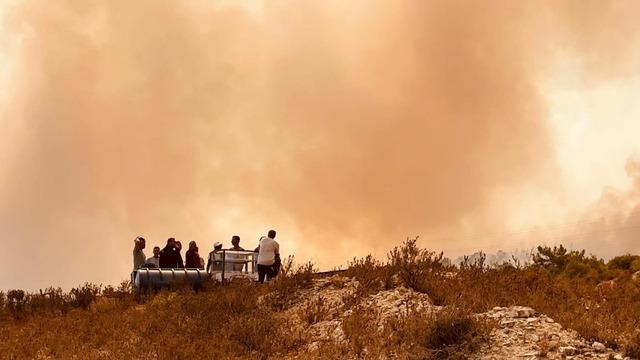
[345,126]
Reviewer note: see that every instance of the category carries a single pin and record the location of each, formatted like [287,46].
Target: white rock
[507,323]
[618,357]
[568,350]
[524,312]
[598,346]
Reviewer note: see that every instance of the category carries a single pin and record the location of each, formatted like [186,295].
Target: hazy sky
[346,126]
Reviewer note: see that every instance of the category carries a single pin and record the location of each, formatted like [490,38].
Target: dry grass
[314,311]
[245,320]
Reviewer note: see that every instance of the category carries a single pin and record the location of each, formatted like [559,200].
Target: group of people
[268,262]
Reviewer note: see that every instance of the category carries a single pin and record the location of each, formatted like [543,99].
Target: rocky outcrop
[523,333]
[520,332]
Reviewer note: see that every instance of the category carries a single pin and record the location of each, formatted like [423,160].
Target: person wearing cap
[268,257]
[215,258]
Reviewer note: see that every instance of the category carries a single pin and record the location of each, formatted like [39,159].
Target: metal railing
[232,263]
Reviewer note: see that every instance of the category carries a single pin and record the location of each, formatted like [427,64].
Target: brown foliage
[246,320]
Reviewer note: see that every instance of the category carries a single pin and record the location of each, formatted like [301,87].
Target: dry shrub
[245,320]
[360,330]
[84,295]
[451,333]
[419,269]
[256,331]
[284,288]
[631,345]
[370,273]
[16,303]
[314,311]
[52,300]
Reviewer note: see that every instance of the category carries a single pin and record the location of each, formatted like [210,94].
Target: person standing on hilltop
[169,256]
[235,243]
[192,257]
[268,253]
[179,249]
[138,255]
[215,258]
[238,265]
[155,259]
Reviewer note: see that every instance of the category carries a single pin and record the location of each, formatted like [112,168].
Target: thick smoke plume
[344,125]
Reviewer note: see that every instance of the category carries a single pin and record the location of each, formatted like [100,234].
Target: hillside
[412,306]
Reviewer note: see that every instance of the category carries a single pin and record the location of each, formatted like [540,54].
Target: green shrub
[571,264]
[624,262]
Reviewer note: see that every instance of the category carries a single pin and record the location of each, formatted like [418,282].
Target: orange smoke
[344,126]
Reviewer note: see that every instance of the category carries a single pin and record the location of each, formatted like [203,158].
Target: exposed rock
[568,350]
[598,347]
[522,312]
[520,332]
[534,337]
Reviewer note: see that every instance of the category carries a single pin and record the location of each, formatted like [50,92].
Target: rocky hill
[516,331]
[565,305]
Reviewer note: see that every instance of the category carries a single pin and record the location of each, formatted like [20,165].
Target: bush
[314,311]
[51,300]
[359,330]
[446,334]
[419,269]
[15,302]
[84,295]
[371,275]
[285,287]
[625,262]
[561,262]
[246,320]
[631,345]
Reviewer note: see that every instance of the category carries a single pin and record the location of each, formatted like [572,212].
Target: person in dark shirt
[169,256]
[179,249]
[192,257]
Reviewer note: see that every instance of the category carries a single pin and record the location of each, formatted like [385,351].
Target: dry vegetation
[245,320]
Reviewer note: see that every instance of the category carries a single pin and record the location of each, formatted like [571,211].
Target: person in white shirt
[155,259]
[215,258]
[138,254]
[268,254]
